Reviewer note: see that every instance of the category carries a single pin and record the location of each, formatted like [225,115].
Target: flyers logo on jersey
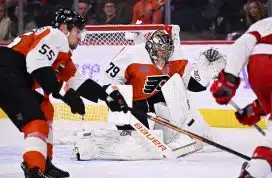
[154,83]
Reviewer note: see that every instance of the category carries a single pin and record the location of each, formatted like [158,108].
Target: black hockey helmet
[69,17]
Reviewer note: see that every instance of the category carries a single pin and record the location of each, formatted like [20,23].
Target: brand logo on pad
[87,134]
[149,136]
[126,133]
[196,75]
[20,116]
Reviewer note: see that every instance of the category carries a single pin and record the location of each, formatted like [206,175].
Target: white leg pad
[162,111]
[115,145]
[196,124]
[179,104]
[180,143]
[182,113]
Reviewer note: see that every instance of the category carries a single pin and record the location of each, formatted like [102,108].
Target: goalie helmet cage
[67,124]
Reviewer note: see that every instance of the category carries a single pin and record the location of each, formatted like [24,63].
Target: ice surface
[209,164]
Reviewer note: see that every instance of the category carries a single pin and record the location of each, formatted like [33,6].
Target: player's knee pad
[37,127]
[36,133]
[26,116]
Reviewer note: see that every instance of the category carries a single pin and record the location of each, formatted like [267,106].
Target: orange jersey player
[253,48]
[42,58]
[147,67]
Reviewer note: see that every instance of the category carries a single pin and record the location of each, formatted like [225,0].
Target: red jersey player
[254,48]
[42,58]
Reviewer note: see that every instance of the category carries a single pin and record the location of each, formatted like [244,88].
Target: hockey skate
[53,172]
[33,172]
[244,173]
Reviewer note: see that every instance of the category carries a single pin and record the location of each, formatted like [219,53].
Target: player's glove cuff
[110,88]
[115,100]
[230,79]
[225,87]
[251,114]
[61,91]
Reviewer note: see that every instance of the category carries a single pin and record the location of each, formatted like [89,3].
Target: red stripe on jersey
[257,35]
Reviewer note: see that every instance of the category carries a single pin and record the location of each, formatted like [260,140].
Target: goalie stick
[167,124]
[233,104]
[151,138]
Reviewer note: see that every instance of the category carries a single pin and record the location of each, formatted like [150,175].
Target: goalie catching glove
[71,98]
[225,87]
[251,114]
[115,100]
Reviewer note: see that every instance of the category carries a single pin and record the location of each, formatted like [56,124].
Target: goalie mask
[160,47]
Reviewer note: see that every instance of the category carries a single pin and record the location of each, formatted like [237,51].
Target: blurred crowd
[198,19]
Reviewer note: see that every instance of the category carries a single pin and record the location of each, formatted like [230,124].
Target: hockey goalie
[159,77]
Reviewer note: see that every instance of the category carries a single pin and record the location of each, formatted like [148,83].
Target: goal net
[99,46]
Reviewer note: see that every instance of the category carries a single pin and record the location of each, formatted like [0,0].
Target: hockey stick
[151,138]
[167,124]
[233,104]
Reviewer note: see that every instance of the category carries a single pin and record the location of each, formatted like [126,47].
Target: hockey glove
[115,100]
[225,87]
[71,98]
[251,114]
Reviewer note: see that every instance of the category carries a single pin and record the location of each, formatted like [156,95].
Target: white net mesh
[110,38]
[125,34]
